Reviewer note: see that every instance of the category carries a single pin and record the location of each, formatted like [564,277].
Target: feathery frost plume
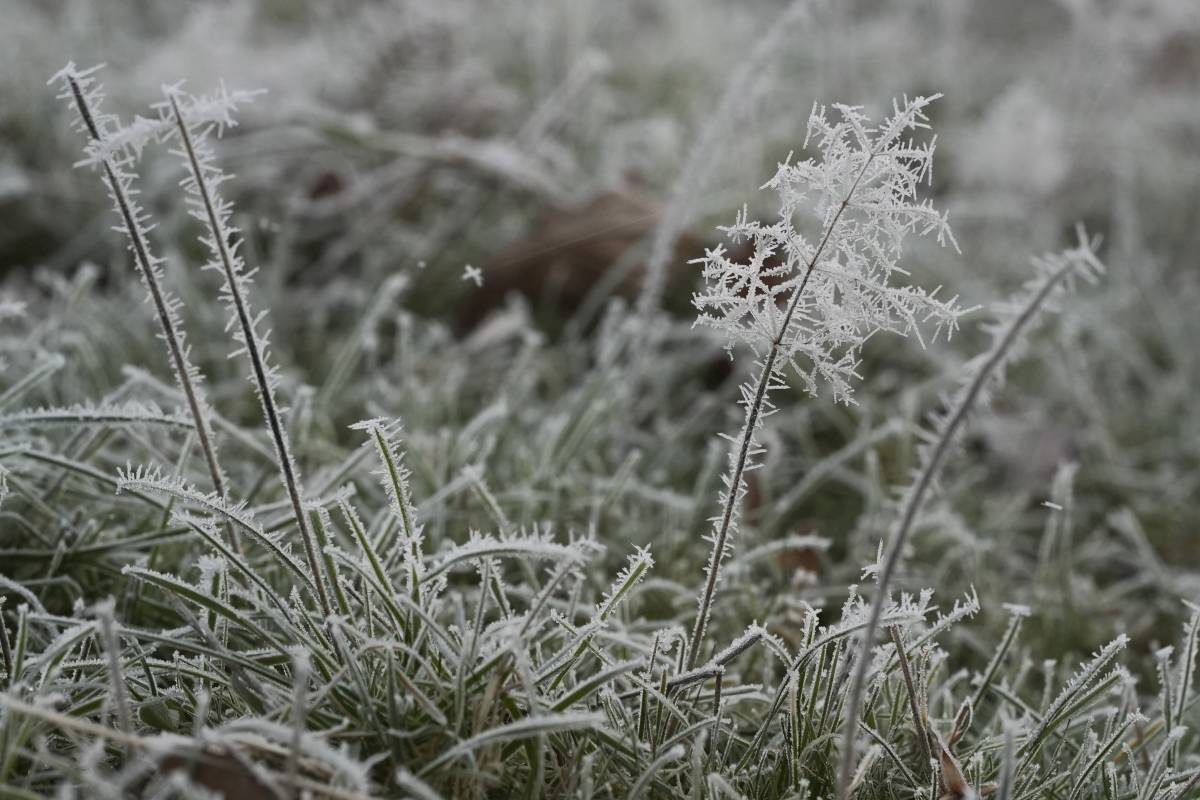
[190,132]
[813,302]
[817,300]
[111,149]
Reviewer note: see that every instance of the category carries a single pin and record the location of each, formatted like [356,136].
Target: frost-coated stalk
[253,344]
[735,482]
[134,226]
[394,476]
[736,488]
[747,303]
[1055,271]
[914,706]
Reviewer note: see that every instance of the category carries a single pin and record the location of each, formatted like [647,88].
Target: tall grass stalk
[1054,271]
[85,95]
[735,483]
[766,305]
[204,176]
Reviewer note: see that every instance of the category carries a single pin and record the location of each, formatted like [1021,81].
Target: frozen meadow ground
[899,507]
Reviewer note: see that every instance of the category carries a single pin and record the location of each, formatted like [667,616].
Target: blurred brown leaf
[571,250]
[220,770]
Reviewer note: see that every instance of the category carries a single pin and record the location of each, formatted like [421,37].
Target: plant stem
[913,704]
[753,420]
[166,319]
[913,502]
[258,363]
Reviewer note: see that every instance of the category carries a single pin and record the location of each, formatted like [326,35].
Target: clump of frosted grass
[473,641]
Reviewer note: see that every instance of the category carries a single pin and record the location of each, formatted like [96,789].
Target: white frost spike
[640,562]
[143,479]
[216,109]
[1083,679]
[473,274]
[528,546]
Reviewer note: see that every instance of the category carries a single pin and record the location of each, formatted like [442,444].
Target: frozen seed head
[819,279]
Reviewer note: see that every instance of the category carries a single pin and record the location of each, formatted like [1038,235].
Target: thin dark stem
[6,649]
[1189,786]
[913,704]
[172,336]
[258,364]
[718,551]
